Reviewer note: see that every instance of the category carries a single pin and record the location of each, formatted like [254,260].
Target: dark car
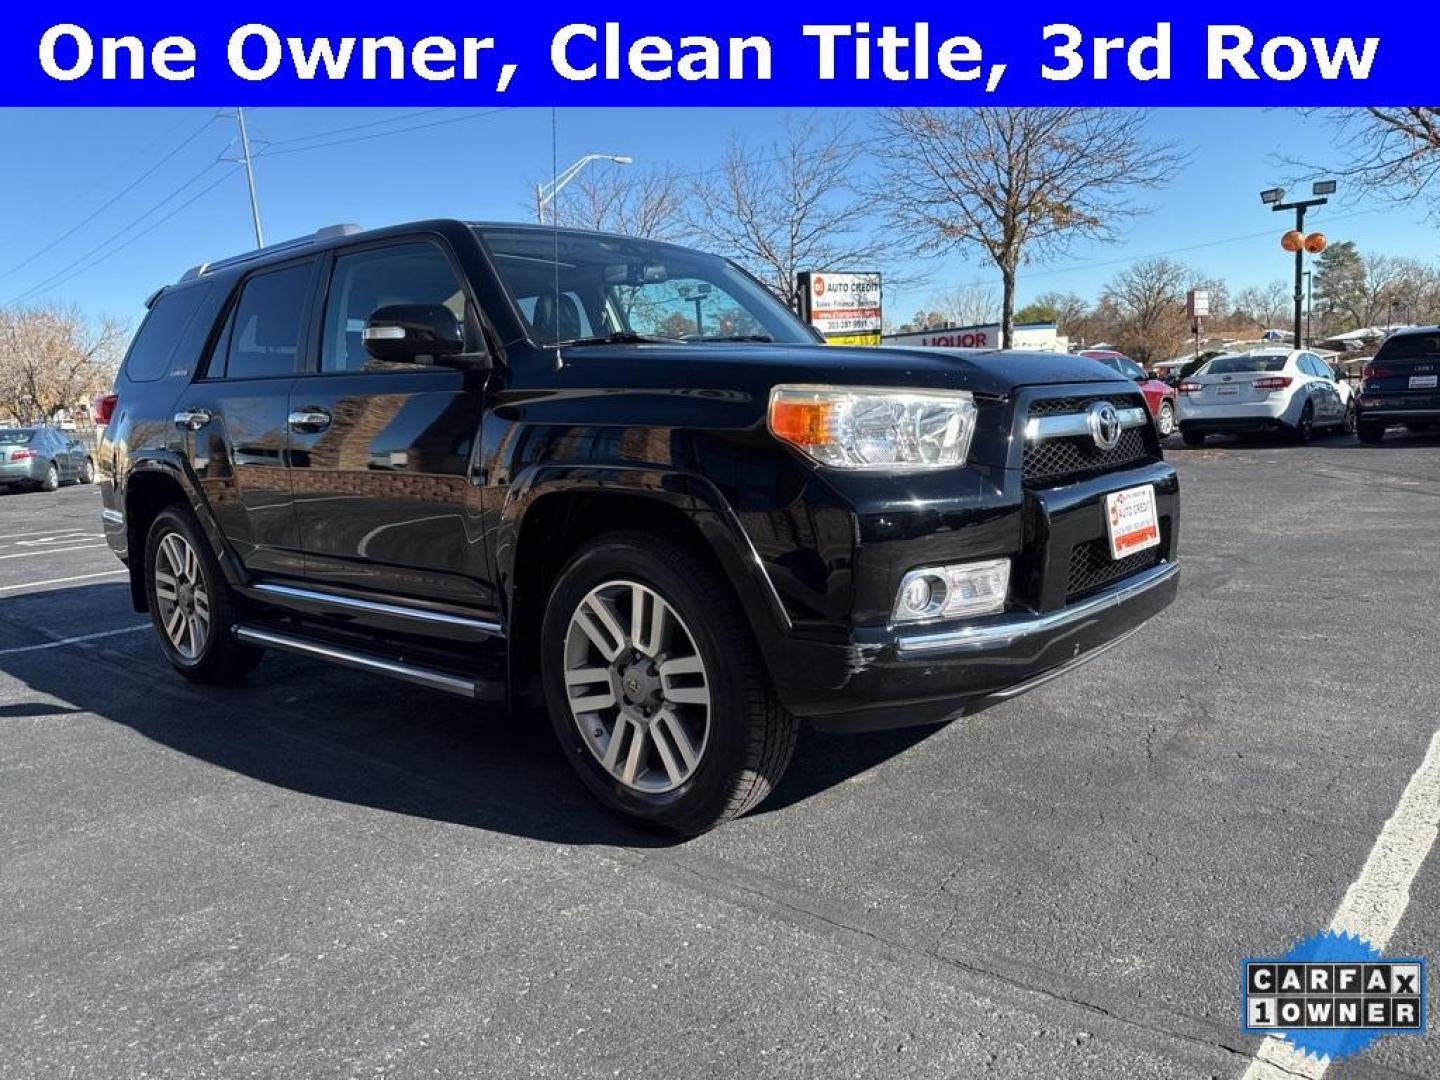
[41,459]
[485,458]
[1401,385]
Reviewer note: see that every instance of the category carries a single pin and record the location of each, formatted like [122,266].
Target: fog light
[947,592]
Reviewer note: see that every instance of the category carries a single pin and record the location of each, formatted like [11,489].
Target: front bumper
[879,675]
[928,677]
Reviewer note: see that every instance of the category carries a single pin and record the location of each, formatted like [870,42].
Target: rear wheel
[1165,419]
[1304,428]
[1370,433]
[51,482]
[1193,438]
[655,688]
[191,605]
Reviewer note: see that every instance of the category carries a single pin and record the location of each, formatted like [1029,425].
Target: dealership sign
[843,307]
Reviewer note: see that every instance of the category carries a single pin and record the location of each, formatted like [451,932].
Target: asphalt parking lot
[323,874]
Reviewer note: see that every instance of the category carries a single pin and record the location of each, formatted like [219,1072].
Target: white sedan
[1293,392]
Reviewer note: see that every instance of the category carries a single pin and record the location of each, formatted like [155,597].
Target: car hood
[738,364]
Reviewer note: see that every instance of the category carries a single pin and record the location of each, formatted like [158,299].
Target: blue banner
[1325,53]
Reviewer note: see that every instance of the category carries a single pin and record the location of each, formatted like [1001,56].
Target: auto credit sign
[845,307]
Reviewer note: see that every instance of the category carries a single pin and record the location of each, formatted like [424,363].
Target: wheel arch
[152,483]
[555,510]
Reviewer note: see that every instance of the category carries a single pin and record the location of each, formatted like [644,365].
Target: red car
[1158,396]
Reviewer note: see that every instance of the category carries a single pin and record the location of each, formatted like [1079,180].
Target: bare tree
[1018,184]
[967,304]
[646,203]
[1390,152]
[54,358]
[1265,305]
[790,206]
[1148,301]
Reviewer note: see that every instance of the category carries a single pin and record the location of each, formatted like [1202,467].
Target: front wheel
[1165,419]
[87,472]
[1347,425]
[655,688]
[191,604]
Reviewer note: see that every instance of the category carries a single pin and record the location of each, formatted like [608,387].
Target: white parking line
[73,640]
[52,551]
[61,580]
[40,532]
[1373,905]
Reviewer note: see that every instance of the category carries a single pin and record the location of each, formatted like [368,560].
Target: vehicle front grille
[1058,405]
[1092,568]
[1056,459]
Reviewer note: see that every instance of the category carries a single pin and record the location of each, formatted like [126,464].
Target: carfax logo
[1333,995]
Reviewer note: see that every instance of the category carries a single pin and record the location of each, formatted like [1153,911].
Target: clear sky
[106,205]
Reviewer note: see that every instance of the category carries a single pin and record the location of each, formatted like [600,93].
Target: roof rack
[329,232]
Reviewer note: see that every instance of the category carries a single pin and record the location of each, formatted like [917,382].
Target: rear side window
[1411,347]
[265,335]
[154,343]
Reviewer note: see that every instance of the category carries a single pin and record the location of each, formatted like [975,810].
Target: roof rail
[329,232]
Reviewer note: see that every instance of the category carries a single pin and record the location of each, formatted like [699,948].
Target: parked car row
[41,458]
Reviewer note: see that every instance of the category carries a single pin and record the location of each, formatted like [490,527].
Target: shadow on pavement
[341,735]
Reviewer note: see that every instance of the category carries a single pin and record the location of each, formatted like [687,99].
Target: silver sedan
[39,457]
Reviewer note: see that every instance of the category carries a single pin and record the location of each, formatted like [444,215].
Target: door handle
[192,419]
[309,419]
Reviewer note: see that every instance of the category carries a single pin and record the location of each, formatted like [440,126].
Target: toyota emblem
[1104,420]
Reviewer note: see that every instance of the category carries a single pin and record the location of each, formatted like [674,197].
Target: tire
[52,479]
[1193,438]
[1304,429]
[1370,433]
[1165,419]
[1347,425]
[696,766]
[87,472]
[182,590]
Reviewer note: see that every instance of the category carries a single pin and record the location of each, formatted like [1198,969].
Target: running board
[461,685]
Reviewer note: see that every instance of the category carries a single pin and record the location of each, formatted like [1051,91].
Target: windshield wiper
[623,337]
[735,337]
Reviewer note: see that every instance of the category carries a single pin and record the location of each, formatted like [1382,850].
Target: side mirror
[414,334]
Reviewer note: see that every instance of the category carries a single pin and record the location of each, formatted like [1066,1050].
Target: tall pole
[1299,275]
[249,176]
[1309,304]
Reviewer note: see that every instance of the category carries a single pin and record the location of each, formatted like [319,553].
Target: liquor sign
[1197,303]
[844,307]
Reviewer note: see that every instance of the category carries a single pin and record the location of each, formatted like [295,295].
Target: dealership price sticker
[1132,520]
[1333,995]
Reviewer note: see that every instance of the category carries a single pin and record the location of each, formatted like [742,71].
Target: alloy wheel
[637,687]
[181,597]
[1165,421]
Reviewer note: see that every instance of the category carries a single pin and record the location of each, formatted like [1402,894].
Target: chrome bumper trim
[1009,629]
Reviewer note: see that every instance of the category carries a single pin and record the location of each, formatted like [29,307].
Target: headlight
[850,427]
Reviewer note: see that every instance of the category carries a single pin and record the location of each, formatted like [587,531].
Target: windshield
[15,436]
[625,289]
[1242,365]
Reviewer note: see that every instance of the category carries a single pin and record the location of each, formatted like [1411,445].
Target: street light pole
[1272,198]
[545,193]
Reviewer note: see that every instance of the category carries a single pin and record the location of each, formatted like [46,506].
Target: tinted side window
[155,341]
[265,338]
[416,273]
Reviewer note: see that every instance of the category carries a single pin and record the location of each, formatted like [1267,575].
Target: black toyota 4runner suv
[485,457]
